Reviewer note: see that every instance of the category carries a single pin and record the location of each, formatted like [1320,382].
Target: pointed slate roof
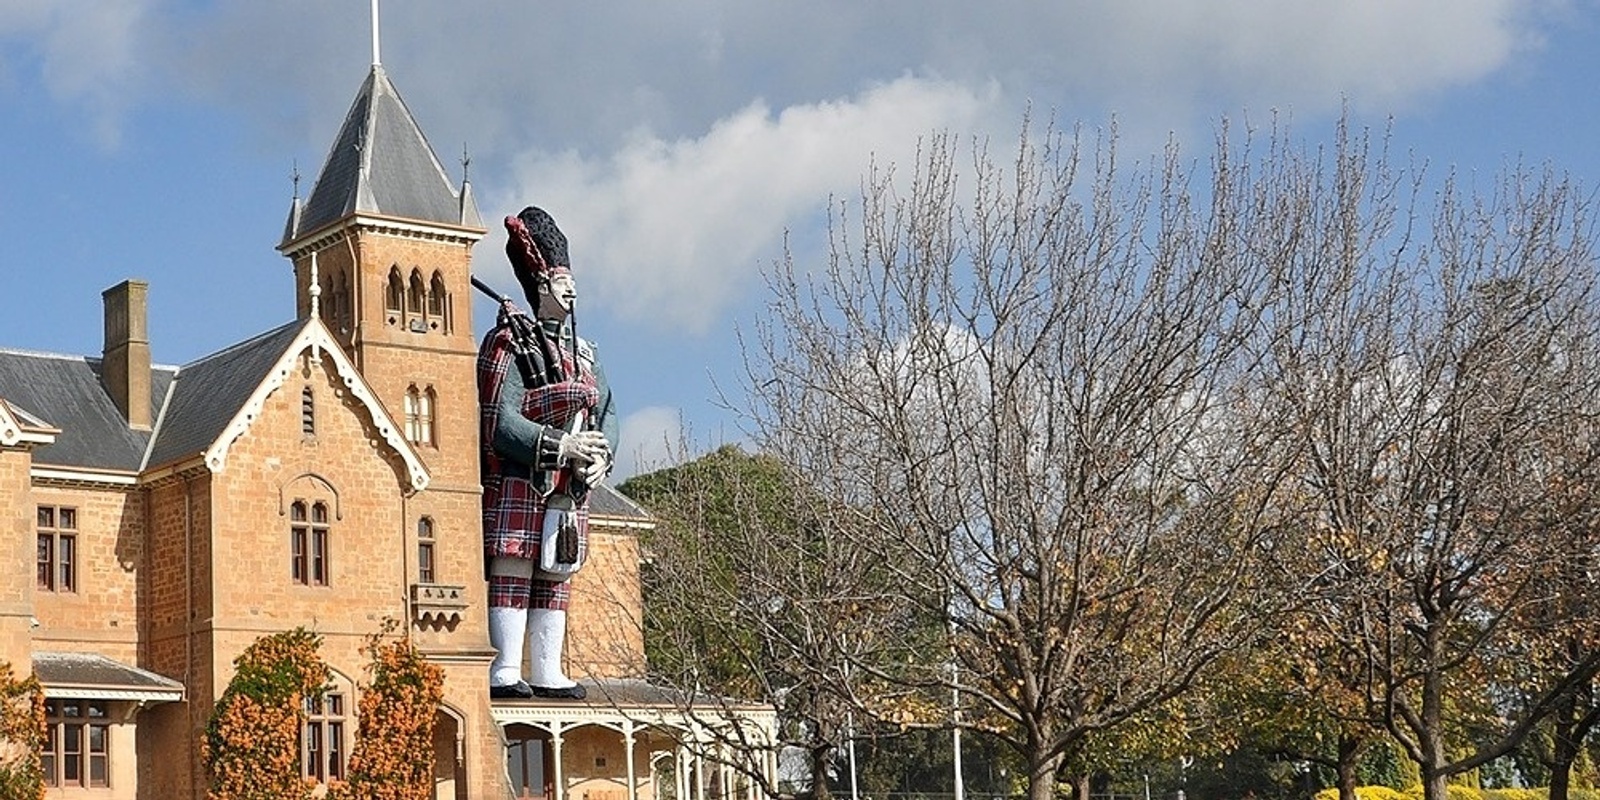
[211,391]
[381,163]
[65,392]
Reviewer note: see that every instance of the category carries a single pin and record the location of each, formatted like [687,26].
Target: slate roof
[381,163]
[193,404]
[65,392]
[211,391]
[609,502]
[60,673]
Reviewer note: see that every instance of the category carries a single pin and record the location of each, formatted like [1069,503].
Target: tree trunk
[1564,750]
[1349,751]
[1080,786]
[819,772]
[1560,780]
[1042,778]
[1430,738]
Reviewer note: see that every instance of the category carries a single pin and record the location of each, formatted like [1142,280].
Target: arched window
[325,296]
[347,307]
[425,417]
[411,404]
[310,554]
[394,296]
[425,542]
[336,301]
[438,304]
[419,413]
[416,300]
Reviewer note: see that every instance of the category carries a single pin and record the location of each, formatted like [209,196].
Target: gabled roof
[211,391]
[18,425]
[219,397]
[381,164]
[65,392]
[204,406]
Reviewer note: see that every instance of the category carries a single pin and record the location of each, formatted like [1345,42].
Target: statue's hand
[597,470]
[587,447]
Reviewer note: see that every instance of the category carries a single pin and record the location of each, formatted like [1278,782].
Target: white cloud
[87,52]
[674,231]
[494,73]
[1377,51]
[651,439]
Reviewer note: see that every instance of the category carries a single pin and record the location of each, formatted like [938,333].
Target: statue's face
[557,296]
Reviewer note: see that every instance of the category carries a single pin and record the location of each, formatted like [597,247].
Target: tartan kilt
[513,520]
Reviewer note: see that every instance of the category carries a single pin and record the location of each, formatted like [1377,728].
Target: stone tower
[390,240]
[382,254]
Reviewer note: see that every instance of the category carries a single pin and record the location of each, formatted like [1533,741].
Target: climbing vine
[252,742]
[22,728]
[393,755]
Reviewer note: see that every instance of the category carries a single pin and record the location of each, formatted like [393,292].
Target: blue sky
[677,143]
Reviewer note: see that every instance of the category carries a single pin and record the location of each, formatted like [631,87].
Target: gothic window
[394,295]
[438,304]
[309,545]
[77,751]
[425,417]
[322,749]
[338,301]
[419,413]
[56,568]
[346,305]
[416,301]
[325,297]
[425,541]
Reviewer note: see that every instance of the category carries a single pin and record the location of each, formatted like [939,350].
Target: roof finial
[375,59]
[315,289]
[466,164]
[294,175]
[316,309]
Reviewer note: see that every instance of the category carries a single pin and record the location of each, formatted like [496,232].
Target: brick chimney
[125,364]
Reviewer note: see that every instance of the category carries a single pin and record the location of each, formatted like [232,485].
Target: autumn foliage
[252,743]
[393,756]
[21,736]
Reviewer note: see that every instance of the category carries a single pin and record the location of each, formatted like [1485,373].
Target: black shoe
[573,692]
[511,691]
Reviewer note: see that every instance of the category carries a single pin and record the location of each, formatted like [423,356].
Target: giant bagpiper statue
[548,430]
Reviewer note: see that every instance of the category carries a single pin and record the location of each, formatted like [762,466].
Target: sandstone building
[321,474]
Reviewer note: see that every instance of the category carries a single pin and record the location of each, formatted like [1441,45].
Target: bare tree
[1442,371]
[1037,385]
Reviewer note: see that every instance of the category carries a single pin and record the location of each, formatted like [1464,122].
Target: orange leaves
[393,757]
[252,742]
[21,735]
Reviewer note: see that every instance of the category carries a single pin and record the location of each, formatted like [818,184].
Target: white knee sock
[547,629]
[508,626]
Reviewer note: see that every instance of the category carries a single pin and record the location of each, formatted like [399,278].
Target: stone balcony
[438,605]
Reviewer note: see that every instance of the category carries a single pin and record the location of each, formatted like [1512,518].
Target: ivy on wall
[252,742]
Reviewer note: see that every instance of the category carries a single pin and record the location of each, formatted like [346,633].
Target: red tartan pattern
[513,510]
[513,521]
[509,591]
[556,403]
